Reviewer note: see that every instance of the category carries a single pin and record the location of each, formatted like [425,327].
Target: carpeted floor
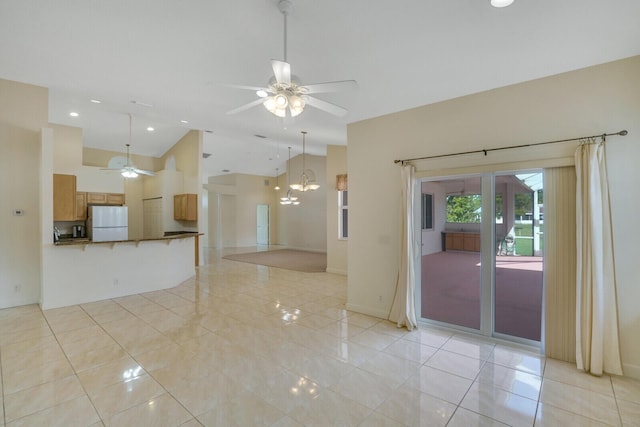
[289,259]
[451,292]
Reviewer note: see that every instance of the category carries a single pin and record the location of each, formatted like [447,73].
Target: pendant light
[277,187]
[307,177]
[290,199]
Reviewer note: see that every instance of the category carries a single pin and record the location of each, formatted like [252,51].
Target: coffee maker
[78,231]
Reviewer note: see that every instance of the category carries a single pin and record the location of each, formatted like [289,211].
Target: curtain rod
[621,133]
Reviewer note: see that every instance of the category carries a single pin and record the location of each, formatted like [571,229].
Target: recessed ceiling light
[225,170]
[501,3]
[74,114]
[150,129]
[259,136]
[95,101]
[184,121]
[208,131]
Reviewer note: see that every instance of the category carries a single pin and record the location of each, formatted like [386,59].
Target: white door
[263,225]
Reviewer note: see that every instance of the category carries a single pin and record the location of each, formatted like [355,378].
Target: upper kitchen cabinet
[105,199]
[81,206]
[185,207]
[64,197]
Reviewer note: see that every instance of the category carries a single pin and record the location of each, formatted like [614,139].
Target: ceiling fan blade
[282,72]
[334,109]
[338,86]
[143,172]
[246,106]
[253,88]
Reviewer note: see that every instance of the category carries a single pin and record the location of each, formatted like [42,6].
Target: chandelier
[307,177]
[289,199]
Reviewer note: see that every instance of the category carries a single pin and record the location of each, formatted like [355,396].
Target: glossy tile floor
[245,345]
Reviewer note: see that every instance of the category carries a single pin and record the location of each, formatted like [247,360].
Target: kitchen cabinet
[81,206]
[116,199]
[64,197]
[185,207]
[469,242]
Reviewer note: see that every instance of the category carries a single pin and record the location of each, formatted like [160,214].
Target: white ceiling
[178,55]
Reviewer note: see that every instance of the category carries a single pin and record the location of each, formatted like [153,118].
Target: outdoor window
[343,214]
[464,209]
[427,211]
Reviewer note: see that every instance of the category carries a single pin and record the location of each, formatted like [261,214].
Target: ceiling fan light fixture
[273,105]
[128,173]
[262,93]
[296,105]
[501,3]
[281,100]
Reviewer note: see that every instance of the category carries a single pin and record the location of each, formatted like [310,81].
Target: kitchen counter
[84,241]
[79,271]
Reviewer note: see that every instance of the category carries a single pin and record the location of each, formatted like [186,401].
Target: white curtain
[597,342]
[403,310]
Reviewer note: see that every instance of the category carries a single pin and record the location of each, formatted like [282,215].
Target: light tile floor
[246,345]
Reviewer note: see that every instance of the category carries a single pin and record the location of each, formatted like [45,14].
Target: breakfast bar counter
[78,272]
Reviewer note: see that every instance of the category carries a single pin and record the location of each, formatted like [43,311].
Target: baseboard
[337,271]
[631,371]
[381,314]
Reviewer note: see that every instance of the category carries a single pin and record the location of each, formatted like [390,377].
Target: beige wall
[305,226]
[188,159]
[594,100]
[336,249]
[67,151]
[100,158]
[23,113]
[233,201]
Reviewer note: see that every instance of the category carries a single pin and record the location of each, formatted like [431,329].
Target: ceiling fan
[126,169]
[284,95]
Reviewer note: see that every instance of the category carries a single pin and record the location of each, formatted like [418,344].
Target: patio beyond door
[482,258]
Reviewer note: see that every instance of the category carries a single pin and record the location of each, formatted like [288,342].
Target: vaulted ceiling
[170,61]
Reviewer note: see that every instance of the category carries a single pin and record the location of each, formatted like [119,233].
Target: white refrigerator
[107,223]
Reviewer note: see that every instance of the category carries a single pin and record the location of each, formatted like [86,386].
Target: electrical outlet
[115,282]
[18,212]
[380,298]
[17,288]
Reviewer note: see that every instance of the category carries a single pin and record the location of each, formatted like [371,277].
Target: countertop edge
[111,242]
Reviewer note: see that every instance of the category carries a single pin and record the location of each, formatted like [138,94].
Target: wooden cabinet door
[179,207]
[458,241]
[448,241]
[81,206]
[191,211]
[469,242]
[64,197]
[97,198]
[115,199]
[185,207]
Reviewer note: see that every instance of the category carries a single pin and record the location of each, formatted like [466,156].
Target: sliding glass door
[451,274]
[481,263]
[518,262]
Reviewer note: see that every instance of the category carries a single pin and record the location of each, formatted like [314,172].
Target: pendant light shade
[289,199]
[307,177]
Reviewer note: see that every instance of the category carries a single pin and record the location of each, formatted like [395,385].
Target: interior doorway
[262,231]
